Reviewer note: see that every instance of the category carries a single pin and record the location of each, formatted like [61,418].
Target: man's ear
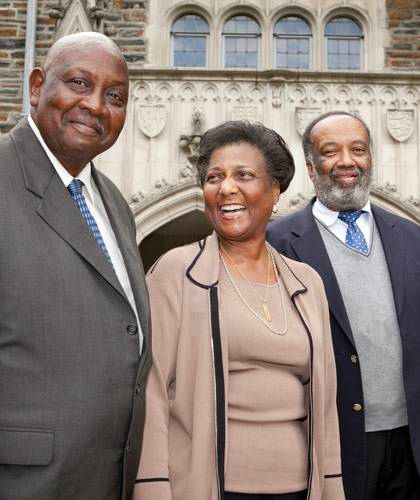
[310,168]
[36,80]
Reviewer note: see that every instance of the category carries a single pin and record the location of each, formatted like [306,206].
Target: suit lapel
[309,247]
[130,252]
[56,206]
[392,243]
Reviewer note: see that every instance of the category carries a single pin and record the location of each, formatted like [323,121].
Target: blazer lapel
[392,243]
[130,252]
[309,247]
[56,206]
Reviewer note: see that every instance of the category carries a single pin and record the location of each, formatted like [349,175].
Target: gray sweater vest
[367,294]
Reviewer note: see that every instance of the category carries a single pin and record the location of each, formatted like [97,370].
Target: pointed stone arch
[75,20]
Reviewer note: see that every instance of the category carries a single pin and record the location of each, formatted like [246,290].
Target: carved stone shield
[400,123]
[304,116]
[151,119]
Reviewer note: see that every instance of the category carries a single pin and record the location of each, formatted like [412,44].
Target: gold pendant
[266,311]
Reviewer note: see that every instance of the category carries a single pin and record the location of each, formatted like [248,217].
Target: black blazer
[298,237]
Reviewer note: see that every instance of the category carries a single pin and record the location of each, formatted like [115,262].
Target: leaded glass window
[241,42]
[189,41]
[292,38]
[344,39]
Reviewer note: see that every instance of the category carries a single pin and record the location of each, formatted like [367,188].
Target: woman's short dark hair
[279,160]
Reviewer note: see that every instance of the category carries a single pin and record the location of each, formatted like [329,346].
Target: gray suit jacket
[71,376]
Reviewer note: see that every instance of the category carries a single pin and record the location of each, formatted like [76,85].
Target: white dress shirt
[338,228]
[98,211]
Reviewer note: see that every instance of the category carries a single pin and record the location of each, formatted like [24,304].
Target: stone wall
[403,52]
[123,20]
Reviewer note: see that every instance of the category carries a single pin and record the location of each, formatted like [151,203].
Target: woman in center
[241,398]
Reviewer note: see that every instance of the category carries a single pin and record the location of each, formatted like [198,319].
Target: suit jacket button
[137,390]
[354,358]
[127,448]
[132,329]
[357,407]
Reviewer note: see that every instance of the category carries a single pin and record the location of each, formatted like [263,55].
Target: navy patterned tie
[354,236]
[75,188]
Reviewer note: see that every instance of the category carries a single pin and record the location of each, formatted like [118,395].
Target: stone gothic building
[196,63]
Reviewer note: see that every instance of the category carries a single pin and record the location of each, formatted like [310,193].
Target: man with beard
[369,260]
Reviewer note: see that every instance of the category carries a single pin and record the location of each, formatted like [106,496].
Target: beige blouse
[266,437]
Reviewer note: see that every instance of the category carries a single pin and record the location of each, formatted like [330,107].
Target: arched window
[344,43]
[241,35]
[292,38]
[189,41]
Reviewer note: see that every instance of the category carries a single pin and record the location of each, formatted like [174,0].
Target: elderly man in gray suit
[74,318]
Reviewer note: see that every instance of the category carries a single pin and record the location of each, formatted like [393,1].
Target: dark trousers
[300,495]
[391,471]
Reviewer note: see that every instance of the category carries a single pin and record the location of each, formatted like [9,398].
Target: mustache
[91,122]
[337,171]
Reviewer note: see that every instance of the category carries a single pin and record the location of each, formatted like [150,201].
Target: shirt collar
[327,216]
[85,175]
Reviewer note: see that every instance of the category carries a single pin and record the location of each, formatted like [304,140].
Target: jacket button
[137,390]
[357,407]
[127,448]
[132,329]
[354,358]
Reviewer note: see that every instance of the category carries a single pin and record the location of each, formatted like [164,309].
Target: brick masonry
[124,22]
[403,52]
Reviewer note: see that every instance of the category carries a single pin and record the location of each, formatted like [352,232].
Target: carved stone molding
[246,99]
[240,95]
[162,188]
[389,193]
[188,171]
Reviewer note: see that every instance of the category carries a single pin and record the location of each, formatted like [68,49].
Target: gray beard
[338,198]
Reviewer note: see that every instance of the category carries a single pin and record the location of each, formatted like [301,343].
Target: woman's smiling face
[238,192]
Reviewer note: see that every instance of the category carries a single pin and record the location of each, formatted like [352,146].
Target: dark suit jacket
[71,376]
[298,237]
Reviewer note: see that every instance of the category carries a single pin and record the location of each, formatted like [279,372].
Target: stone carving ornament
[304,116]
[400,123]
[198,121]
[151,119]
[249,113]
[95,8]
[189,143]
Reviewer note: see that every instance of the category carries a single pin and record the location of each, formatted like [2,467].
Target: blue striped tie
[75,188]
[354,236]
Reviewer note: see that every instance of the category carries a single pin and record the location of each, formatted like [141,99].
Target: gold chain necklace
[262,300]
[251,310]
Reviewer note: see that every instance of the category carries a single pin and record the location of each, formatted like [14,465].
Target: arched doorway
[170,218]
[185,229]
